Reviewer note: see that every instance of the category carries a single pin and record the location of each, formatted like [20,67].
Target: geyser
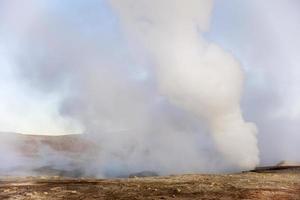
[148,99]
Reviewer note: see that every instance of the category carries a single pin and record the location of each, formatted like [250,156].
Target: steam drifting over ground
[154,119]
[139,77]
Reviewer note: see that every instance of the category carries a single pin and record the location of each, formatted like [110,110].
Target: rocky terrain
[273,185]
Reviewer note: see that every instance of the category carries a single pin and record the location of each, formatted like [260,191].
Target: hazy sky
[262,35]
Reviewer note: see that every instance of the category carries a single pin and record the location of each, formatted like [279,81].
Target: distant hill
[30,145]
[44,155]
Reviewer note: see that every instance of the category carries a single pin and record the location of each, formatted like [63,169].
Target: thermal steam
[194,74]
[154,95]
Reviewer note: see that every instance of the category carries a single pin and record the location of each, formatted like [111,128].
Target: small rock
[213,184]
[55,188]
[143,174]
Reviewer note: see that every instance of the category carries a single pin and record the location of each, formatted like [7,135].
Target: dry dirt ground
[273,185]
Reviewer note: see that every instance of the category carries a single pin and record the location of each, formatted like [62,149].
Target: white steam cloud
[194,74]
[149,99]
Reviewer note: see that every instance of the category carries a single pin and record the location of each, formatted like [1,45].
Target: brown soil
[249,185]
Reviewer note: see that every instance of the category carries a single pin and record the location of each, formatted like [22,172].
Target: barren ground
[277,184]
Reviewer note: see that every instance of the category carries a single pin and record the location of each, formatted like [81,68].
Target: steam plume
[194,74]
[148,109]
